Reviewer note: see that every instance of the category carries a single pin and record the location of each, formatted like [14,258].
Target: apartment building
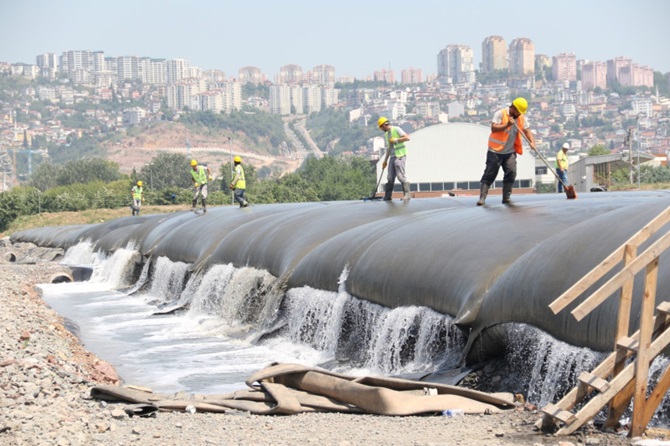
[176,70]
[153,71]
[521,57]
[251,75]
[290,75]
[48,64]
[564,67]
[411,76]
[494,54]
[322,75]
[280,99]
[594,75]
[312,101]
[384,75]
[455,64]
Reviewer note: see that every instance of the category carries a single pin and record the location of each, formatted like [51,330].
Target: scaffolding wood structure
[624,373]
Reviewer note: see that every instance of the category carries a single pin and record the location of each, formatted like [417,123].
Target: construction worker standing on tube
[504,145]
[395,139]
[200,175]
[137,193]
[239,183]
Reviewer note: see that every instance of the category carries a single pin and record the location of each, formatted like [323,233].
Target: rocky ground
[46,377]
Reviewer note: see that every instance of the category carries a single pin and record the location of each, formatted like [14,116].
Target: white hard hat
[566,146]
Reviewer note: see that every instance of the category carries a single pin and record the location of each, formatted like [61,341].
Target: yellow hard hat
[194,163]
[520,104]
[237,159]
[139,183]
[381,121]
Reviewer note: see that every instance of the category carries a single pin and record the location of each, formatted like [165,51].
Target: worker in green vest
[137,194]
[200,175]
[239,183]
[395,139]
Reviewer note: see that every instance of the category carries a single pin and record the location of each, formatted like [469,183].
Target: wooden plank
[589,279]
[618,383]
[594,381]
[626,297]
[644,356]
[606,368]
[628,273]
[664,307]
[657,396]
[612,260]
[618,405]
[630,343]
[558,413]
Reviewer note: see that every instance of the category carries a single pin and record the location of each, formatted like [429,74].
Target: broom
[569,190]
[373,195]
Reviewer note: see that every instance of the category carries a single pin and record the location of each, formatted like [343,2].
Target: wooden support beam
[558,413]
[644,356]
[610,262]
[617,384]
[594,382]
[656,396]
[628,273]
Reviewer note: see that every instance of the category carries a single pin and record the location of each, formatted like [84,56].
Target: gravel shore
[46,376]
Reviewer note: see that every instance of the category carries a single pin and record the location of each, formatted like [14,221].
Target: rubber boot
[193,204]
[507,192]
[244,203]
[388,191]
[483,192]
[204,206]
[405,188]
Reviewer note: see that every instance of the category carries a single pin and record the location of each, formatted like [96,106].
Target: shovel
[569,190]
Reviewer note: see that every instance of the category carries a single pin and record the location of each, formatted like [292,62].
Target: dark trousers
[494,162]
[239,196]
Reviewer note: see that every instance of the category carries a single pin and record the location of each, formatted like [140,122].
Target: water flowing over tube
[486,266]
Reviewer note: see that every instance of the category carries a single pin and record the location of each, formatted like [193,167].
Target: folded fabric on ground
[291,388]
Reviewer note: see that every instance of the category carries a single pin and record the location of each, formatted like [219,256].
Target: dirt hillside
[210,147]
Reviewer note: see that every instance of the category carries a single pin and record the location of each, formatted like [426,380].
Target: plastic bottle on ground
[453,413]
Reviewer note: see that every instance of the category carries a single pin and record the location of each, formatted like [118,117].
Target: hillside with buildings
[127,108]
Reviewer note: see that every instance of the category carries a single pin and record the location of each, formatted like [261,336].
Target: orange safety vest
[498,140]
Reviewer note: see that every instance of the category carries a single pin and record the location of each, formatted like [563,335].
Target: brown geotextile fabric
[291,388]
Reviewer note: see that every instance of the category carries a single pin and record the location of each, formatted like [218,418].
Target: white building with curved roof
[450,158]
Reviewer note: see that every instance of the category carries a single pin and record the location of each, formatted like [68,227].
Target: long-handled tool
[374,192]
[569,190]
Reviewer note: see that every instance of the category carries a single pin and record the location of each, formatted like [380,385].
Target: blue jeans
[563,175]
[239,197]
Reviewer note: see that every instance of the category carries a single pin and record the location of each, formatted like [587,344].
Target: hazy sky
[356,37]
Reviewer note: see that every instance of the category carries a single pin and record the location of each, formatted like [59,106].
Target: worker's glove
[209,178]
[232,187]
[391,141]
[197,185]
[384,165]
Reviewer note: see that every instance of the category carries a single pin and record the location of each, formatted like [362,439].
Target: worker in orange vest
[504,146]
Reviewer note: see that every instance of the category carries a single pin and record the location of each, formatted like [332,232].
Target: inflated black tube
[485,266]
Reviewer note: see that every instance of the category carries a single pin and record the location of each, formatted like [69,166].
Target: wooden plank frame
[625,381]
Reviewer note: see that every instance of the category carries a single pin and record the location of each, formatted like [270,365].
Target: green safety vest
[137,193]
[199,176]
[241,181]
[399,148]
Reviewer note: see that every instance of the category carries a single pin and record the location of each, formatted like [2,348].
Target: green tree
[330,129]
[165,170]
[598,149]
[81,171]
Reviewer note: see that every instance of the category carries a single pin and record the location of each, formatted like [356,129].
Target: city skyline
[352,38]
